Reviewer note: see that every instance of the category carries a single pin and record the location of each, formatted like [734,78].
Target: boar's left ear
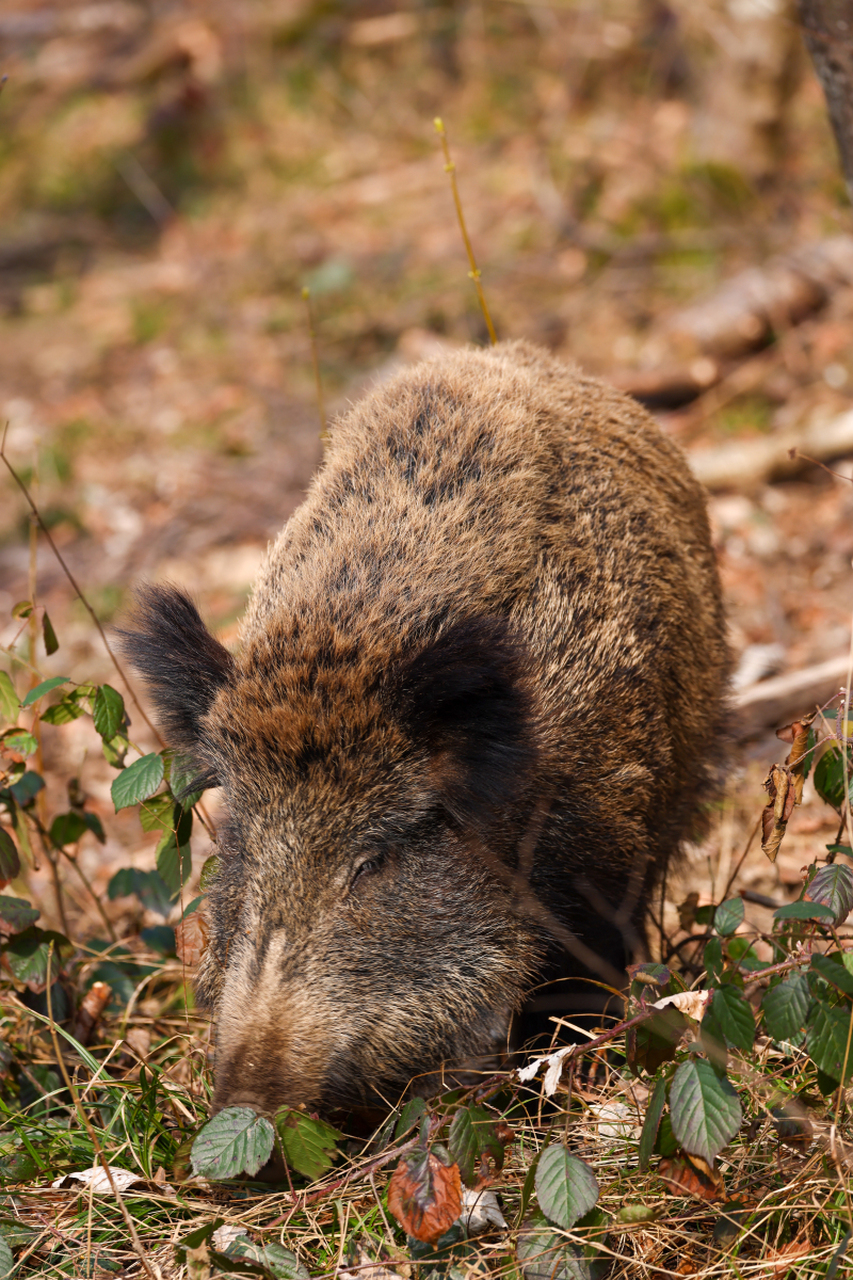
[465,696]
[180,661]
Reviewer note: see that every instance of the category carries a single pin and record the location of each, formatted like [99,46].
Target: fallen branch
[770,703]
[745,464]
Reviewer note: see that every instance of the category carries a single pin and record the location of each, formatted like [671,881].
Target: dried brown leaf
[425,1195]
[691,1176]
[191,938]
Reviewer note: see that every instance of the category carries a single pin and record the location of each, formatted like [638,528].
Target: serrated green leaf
[7,1261]
[829,777]
[826,1040]
[209,871]
[94,824]
[732,1016]
[17,913]
[115,750]
[705,1110]
[833,886]
[833,970]
[174,863]
[21,741]
[651,1121]
[9,704]
[728,916]
[27,953]
[785,1006]
[108,712]
[10,863]
[158,813]
[51,644]
[67,828]
[182,774]
[27,787]
[64,711]
[566,1186]
[472,1135]
[159,938]
[283,1264]
[412,1114]
[41,689]
[148,886]
[309,1145]
[544,1255]
[803,911]
[235,1141]
[137,782]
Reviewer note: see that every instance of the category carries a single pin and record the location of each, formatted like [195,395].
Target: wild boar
[474,714]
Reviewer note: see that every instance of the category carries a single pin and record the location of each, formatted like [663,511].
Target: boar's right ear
[180,661]
[465,697]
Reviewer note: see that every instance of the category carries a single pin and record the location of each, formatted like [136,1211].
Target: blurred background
[652,190]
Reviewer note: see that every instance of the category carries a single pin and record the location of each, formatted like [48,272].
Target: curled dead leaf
[425,1195]
[787,1255]
[91,1007]
[781,787]
[691,1176]
[691,1003]
[191,938]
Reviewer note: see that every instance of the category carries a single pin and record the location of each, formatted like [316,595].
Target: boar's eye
[366,868]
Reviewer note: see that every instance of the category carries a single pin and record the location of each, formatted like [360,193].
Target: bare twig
[474,273]
[315,359]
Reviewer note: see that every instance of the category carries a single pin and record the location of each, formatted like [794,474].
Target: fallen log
[769,704]
[746,464]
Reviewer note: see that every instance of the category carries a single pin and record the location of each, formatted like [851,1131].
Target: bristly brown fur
[497,610]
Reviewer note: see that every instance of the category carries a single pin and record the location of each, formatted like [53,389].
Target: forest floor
[170,182]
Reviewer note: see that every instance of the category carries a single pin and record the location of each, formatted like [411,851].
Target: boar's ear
[181,663]
[466,697]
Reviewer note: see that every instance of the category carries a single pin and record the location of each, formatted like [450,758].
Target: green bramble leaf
[565,1185]
[234,1142]
[651,1122]
[138,781]
[66,710]
[280,1262]
[785,1006]
[472,1136]
[148,886]
[27,954]
[705,1110]
[20,741]
[833,969]
[209,871]
[17,913]
[67,828]
[51,644]
[22,609]
[108,712]
[7,1261]
[411,1116]
[545,1255]
[829,778]
[158,813]
[833,886]
[728,916]
[804,911]
[826,1040]
[41,689]
[730,1019]
[10,862]
[174,863]
[309,1145]
[93,822]
[27,787]
[9,704]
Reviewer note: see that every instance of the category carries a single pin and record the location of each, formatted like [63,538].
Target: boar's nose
[252,1076]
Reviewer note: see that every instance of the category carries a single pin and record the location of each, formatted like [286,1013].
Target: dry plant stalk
[474,273]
